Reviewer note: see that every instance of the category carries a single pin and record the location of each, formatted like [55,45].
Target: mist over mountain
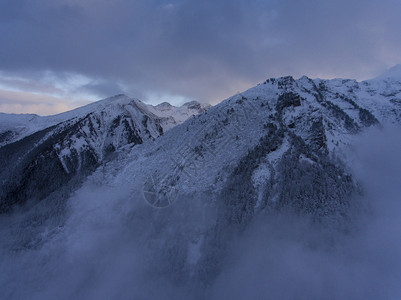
[286,190]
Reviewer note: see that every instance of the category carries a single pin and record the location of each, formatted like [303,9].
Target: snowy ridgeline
[264,195]
[14,127]
[42,155]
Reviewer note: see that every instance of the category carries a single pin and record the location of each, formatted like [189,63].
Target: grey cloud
[204,50]
[41,104]
[101,88]
[27,85]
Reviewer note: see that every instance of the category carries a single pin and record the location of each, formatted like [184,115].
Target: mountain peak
[164,106]
[393,73]
[193,102]
[116,98]
[196,105]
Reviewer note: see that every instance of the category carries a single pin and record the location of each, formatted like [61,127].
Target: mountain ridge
[73,144]
[17,126]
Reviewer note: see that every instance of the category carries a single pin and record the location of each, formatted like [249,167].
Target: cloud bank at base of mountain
[106,249]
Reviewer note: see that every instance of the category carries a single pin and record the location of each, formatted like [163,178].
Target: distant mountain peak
[393,73]
[196,105]
[193,102]
[164,104]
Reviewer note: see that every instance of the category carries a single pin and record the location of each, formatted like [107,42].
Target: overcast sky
[56,55]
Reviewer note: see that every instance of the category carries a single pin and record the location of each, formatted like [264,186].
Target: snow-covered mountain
[275,147]
[393,74]
[302,120]
[174,208]
[40,155]
[14,127]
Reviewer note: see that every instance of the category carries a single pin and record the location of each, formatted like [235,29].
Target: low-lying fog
[112,247]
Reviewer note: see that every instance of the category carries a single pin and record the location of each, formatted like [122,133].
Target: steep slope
[320,115]
[42,154]
[276,147]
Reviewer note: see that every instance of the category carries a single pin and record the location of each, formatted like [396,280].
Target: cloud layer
[205,50]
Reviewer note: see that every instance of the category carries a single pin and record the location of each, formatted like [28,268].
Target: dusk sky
[57,55]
